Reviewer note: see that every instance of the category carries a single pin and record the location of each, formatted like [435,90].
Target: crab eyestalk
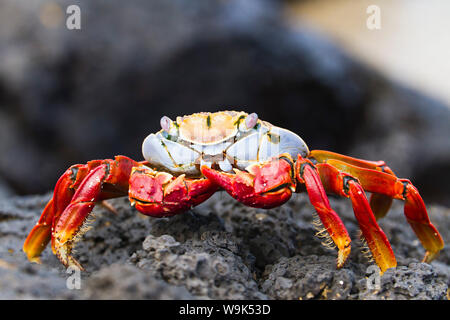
[251,120]
[165,123]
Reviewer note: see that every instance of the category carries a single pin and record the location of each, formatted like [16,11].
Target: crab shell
[225,140]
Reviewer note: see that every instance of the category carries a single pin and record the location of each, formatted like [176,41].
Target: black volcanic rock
[219,250]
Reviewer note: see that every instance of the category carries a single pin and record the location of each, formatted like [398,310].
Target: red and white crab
[258,164]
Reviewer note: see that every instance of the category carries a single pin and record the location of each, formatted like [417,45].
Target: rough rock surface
[219,250]
[71,96]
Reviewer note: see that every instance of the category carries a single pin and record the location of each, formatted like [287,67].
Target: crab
[257,163]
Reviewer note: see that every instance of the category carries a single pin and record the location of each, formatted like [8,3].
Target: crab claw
[160,194]
[264,185]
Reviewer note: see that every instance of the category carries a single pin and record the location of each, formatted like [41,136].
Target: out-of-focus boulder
[69,96]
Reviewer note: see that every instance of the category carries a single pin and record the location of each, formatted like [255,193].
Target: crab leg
[82,186]
[153,193]
[40,235]
[307,174]
[347,186]
[108,179]
[74,197]
[75,214]
[402,189]
[322,156]
[379,203]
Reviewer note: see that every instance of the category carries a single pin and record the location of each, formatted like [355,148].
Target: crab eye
[165,123]
[251,120]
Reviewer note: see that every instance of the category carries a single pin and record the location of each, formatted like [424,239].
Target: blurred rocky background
[69,96]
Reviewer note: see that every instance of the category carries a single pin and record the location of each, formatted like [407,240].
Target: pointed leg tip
[343,255]
[76,265]
[36,241]
[430,238]
[384,258]
[63,252]
[384,268]
[35,260]
[108,206]
[73,264]
[31,256]
[430,256]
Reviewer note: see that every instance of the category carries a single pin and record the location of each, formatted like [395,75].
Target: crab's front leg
[154,193]
[271,184]
[308,175]
[65,188]
[75,195]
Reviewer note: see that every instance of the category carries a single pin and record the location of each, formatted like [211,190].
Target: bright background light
[413,45]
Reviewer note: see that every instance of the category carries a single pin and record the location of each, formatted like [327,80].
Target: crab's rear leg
[348,186]
[402,189]
[379,203]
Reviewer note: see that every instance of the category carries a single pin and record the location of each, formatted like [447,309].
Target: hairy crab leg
[153,193]
[402,189]
[40,235]
[379,203]
[107,180]
[65,191]
[82,186]
[348,186]
[308,175]
[75,214]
